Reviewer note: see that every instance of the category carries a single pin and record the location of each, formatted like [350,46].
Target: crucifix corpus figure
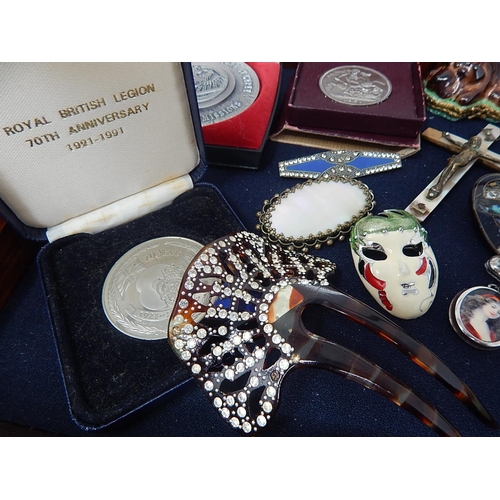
[470,151]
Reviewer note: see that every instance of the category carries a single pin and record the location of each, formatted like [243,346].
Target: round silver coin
[224,90]
[355,85]
[141,288]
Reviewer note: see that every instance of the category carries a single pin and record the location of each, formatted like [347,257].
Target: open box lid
[88,146]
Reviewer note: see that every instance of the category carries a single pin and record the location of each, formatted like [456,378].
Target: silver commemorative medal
[141,288]
[224,89]
[355,85]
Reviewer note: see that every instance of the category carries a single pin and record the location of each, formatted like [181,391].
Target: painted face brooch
[395,262]
[237,326]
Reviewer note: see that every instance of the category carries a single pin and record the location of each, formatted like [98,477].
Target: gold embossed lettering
[43,139]
[135,92]
[82,108]
[17,128]
[109,118]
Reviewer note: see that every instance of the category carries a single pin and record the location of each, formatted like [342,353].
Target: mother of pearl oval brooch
[315,212]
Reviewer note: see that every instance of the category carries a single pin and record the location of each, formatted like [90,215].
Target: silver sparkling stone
[261,421]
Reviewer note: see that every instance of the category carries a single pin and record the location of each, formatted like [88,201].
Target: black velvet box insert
[108,374]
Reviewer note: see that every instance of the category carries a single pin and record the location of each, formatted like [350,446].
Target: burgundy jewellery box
[380,103]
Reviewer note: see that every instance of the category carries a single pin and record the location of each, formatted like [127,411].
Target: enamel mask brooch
[395,262]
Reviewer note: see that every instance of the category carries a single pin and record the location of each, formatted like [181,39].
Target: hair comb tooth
[237,326]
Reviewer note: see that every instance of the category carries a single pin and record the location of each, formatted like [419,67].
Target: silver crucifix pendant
[467,153]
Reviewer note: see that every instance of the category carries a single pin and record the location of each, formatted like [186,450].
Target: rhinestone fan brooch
[222,327]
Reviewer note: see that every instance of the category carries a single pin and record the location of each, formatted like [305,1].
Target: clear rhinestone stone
[261,421]
[277,338]
[267,407]
[268,328]
[178,319]
[247,427]
[259,353]
[271,391]
[284,364]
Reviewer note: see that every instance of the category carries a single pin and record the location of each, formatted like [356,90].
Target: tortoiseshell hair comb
[237,325]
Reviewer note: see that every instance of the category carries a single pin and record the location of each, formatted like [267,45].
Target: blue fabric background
[313,402]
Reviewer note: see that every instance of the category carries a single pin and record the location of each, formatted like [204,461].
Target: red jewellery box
[96,159]
[239,141]
[317,103]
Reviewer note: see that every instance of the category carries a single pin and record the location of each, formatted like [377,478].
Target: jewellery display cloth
[313,402]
